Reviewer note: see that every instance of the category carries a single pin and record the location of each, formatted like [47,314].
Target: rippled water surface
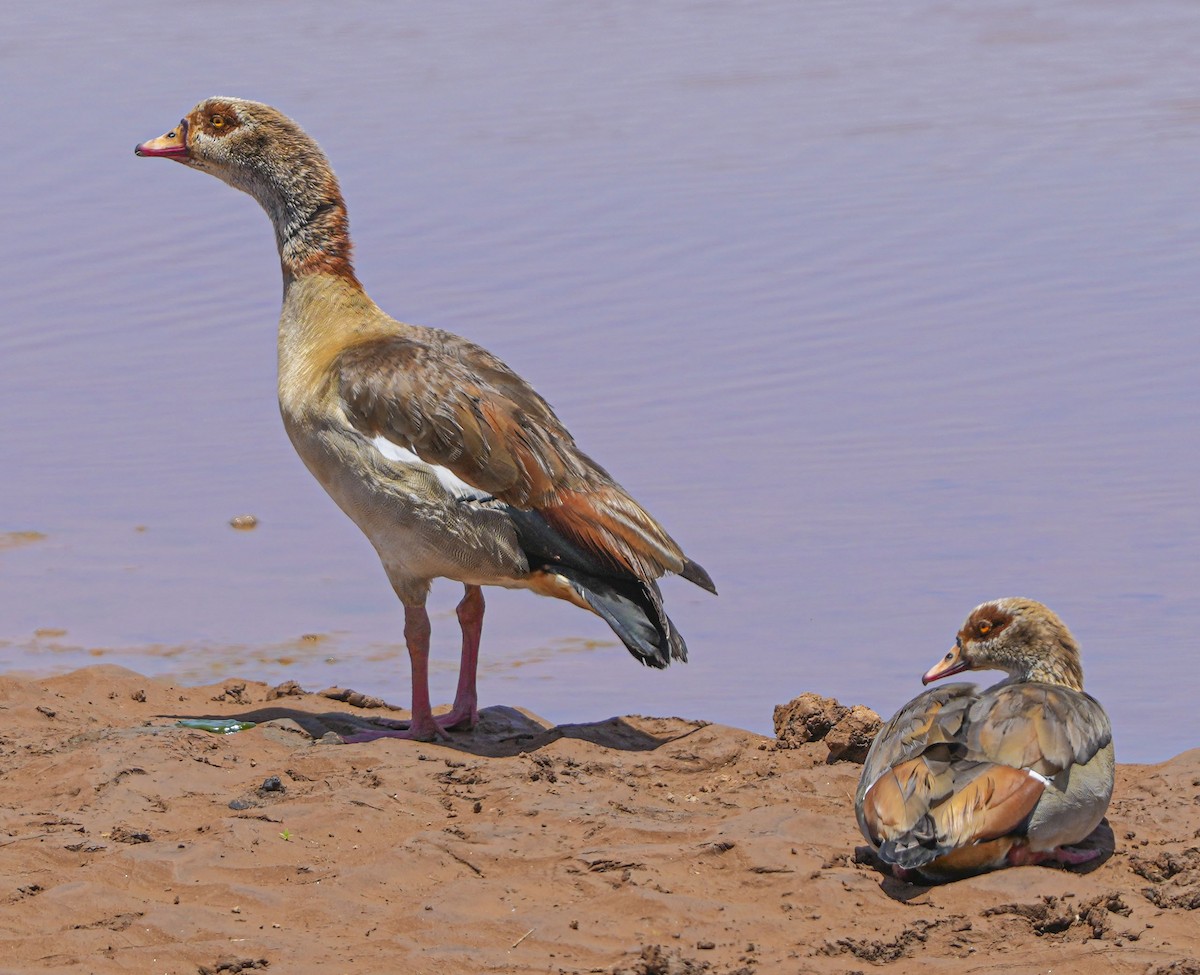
[884,309]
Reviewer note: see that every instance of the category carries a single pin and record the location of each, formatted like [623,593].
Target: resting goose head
[1019,636]
[259,150]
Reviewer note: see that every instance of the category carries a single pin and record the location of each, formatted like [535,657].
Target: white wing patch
[446,477]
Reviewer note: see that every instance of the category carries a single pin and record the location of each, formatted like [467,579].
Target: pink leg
[1022,855]
[422,726]
[465,713]
[1069,854]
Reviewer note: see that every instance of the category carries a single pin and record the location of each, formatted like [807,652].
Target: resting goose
[961,780]
[449,462]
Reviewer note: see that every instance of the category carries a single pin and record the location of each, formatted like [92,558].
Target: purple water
[882,309]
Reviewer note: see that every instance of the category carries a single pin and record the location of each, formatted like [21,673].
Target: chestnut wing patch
[898,782]
[924,808]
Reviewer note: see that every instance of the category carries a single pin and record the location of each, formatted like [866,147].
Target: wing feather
[1043,727]
[455,405]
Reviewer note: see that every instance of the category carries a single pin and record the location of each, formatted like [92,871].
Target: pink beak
[173,145]
[952,663]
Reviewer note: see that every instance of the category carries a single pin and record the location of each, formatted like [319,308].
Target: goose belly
[419,528]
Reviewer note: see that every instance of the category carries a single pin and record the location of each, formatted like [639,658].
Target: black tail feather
[540,540]
[917,847]
[634,611]
[694,572]
[632,607]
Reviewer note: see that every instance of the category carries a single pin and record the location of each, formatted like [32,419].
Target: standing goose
[449,462]
[961,780]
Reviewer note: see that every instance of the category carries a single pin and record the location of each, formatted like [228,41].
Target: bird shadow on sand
[906,891]
[502,731]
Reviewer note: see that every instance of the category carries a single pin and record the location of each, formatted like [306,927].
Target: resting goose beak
[952,663]
[173,145]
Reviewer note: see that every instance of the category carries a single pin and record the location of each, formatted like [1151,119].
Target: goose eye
[985,627]
[217,121]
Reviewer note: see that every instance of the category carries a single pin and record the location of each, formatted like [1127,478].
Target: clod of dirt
[1176,878]
[118,922]
[1184,966]
[289,688]
[356,699]
[848,732]
[657,960]
[806,718]
[234,693]
[850,739]
[123,834]
[1186,898]
[879,952]
[1164,866]
[233,966]
[1054,915]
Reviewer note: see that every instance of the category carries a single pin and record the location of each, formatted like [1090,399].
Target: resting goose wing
[1044,727]
[909,766]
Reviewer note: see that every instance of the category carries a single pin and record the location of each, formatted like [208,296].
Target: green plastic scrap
[217,726]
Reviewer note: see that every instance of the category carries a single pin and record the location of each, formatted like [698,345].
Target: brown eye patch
[218,119]
[988,622]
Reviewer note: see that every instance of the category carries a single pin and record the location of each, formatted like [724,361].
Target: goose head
[259,150]
[1021,637]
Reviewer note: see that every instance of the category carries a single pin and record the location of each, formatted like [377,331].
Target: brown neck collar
[316,242]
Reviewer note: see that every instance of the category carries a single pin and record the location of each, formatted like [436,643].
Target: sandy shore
[637,845]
